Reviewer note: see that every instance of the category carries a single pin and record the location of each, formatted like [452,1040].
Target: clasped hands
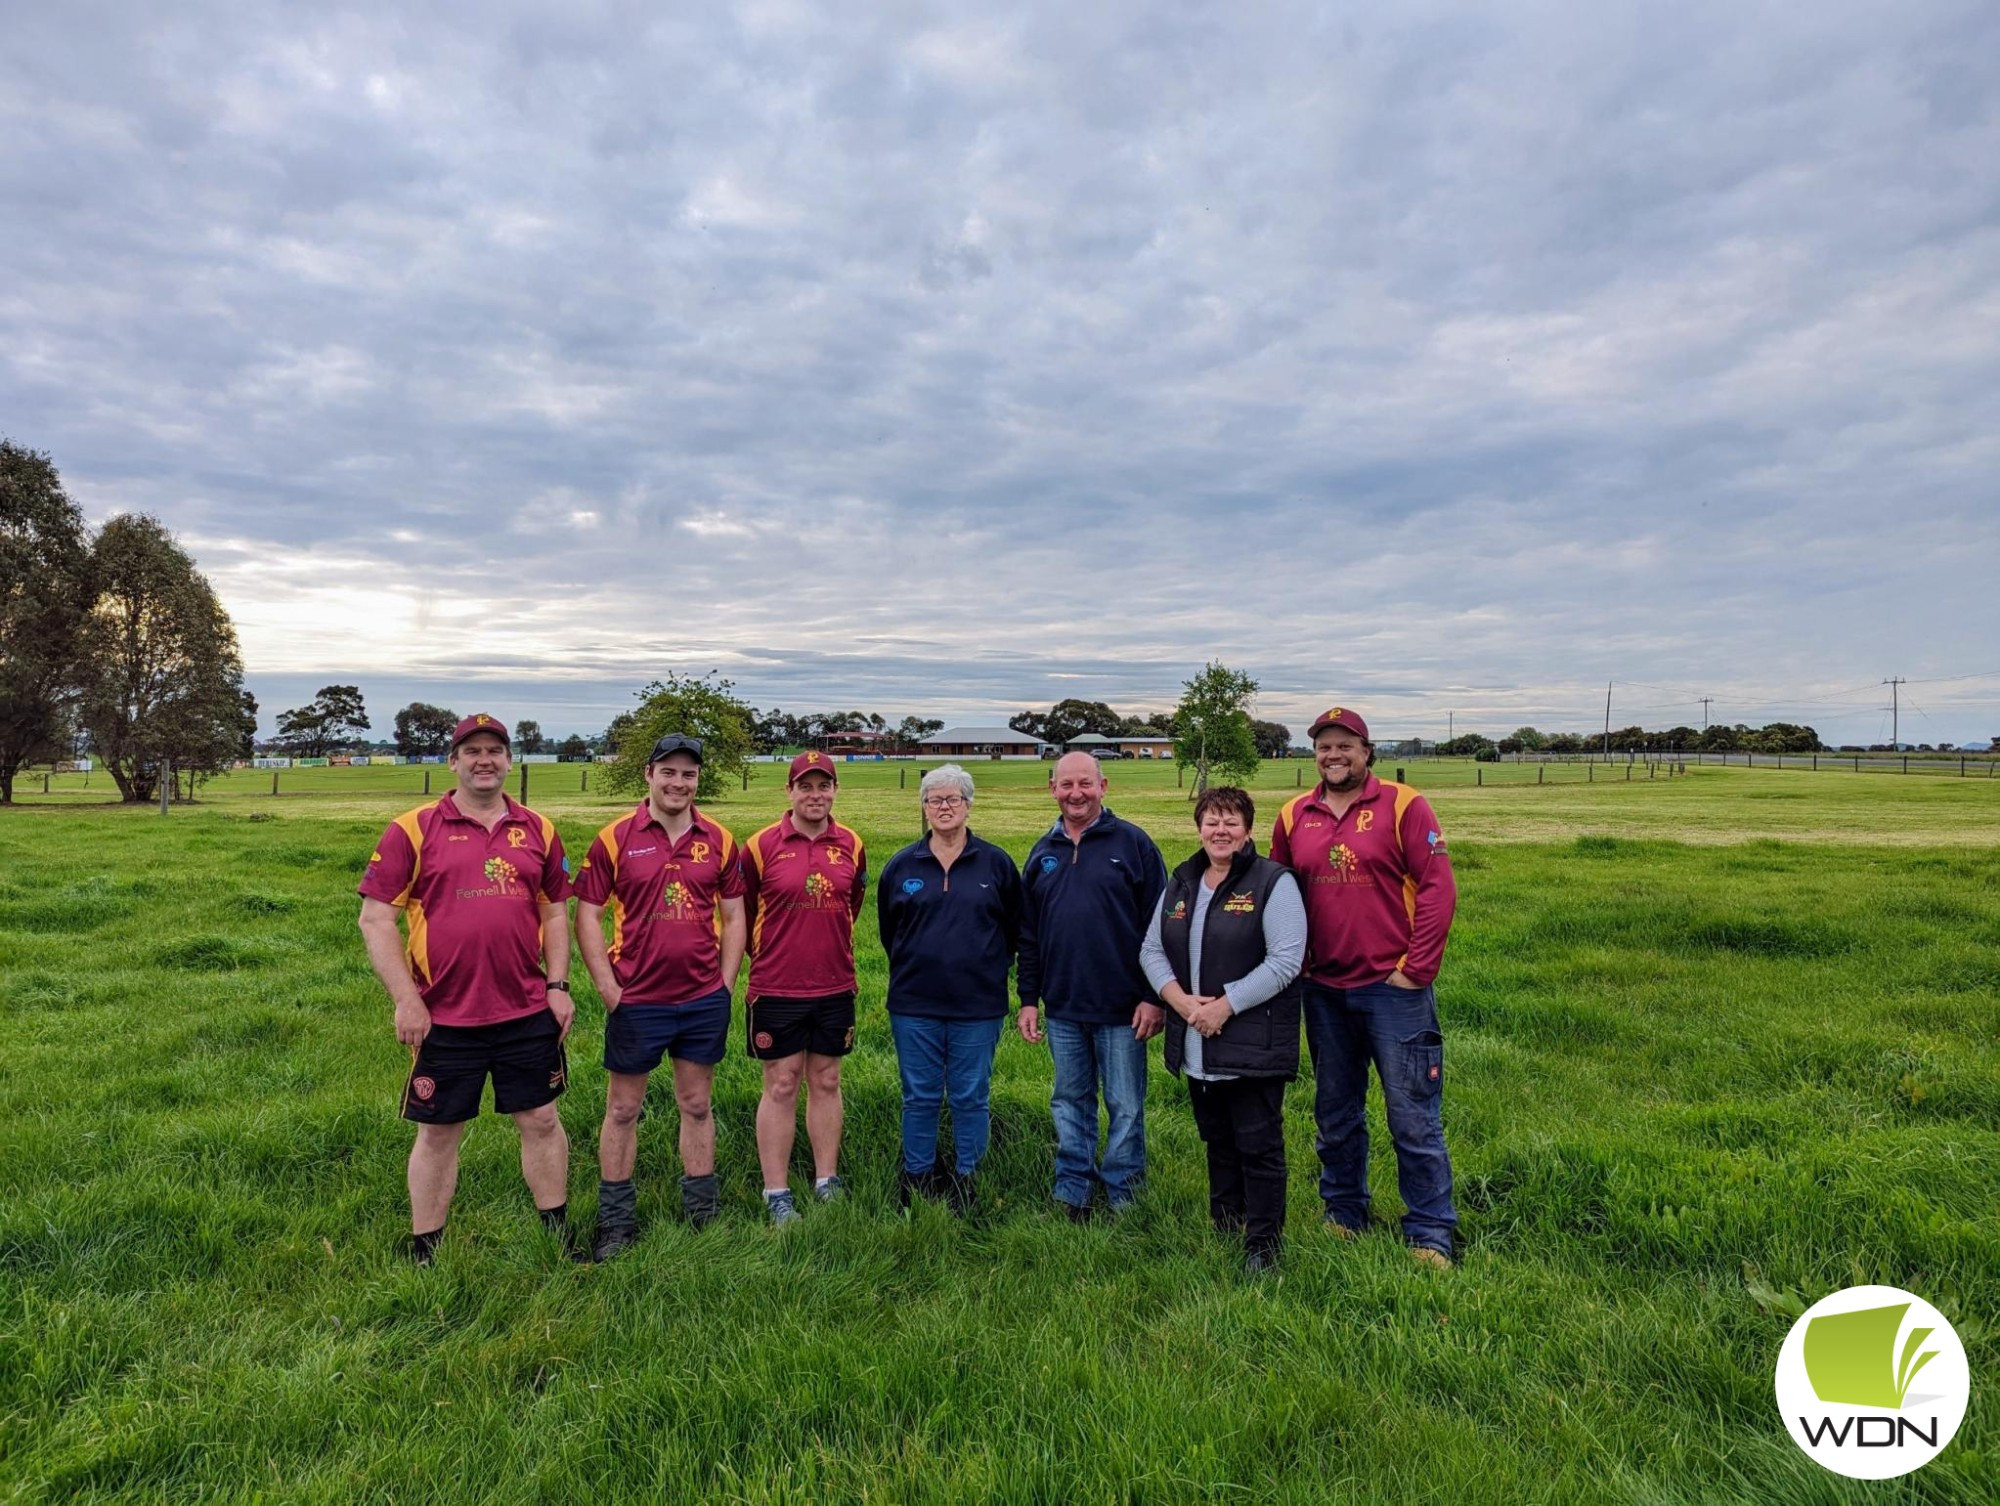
[1206,1014]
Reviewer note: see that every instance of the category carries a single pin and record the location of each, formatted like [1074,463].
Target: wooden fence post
[524,784]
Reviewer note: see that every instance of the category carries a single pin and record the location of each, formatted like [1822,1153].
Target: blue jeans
[1396,1029]
[944,1060]
[1089,1057]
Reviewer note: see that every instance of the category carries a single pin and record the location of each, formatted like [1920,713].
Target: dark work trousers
[1242,1122]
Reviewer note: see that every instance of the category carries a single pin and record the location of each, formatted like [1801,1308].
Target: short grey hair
[943,776]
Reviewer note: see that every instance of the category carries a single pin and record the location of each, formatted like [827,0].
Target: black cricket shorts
[778,1028]
[524,1057]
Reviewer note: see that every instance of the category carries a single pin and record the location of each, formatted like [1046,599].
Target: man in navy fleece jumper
[1089,887]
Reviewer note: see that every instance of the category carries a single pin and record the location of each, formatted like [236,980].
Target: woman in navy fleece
[950,911]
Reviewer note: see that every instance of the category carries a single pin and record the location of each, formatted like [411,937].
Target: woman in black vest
[1224,951]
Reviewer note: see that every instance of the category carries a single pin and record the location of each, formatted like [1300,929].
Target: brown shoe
[1436,1260]
[1339,1230]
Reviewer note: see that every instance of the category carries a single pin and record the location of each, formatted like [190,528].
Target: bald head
[1077,781]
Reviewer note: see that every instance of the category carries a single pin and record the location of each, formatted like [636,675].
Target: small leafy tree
[692,706]
[422,728]
[45,597]
[528,737]
[162,681]
[1274,739]
[1212,730]
[325,724]
[912,730]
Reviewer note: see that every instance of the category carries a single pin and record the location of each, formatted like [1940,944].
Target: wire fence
[1954,765]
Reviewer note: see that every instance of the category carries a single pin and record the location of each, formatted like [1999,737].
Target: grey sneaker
[783,1209]
[832,1190]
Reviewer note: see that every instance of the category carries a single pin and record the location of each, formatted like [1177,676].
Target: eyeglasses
[945,802]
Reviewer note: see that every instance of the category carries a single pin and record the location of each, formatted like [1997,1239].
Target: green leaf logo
[1851,1357]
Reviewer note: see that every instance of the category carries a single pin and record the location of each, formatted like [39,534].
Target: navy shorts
[525,1058]
[636,1036]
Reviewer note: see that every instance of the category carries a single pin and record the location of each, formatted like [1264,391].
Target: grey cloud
[1438,354]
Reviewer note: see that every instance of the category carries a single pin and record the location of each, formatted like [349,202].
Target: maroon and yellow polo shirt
[804,893]
[471,902]
[1377,883]
[665,898]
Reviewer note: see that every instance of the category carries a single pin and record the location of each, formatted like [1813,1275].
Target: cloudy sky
[1439,360]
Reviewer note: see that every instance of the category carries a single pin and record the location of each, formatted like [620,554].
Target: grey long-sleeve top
[1284,954]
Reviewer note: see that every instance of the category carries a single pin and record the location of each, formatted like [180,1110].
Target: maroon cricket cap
[479,721]
[811,763]
[1339,716]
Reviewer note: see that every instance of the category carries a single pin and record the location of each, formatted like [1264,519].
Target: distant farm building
[1120,747]
[982,742]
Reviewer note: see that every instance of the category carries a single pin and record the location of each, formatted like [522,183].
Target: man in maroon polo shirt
[670,878]
[805,877]
[481,983]
[1373,867]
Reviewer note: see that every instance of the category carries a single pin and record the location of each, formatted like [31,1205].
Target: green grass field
[1716,1044]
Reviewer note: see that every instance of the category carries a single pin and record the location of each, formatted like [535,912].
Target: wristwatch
[561,983]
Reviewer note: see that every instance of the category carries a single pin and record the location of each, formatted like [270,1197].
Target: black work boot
[911,1185]
[612,1239]
[961,1193]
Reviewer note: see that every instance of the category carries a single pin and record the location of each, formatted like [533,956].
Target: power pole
[1450,731]
[1895,710]
[1607,718]
[1704,711]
